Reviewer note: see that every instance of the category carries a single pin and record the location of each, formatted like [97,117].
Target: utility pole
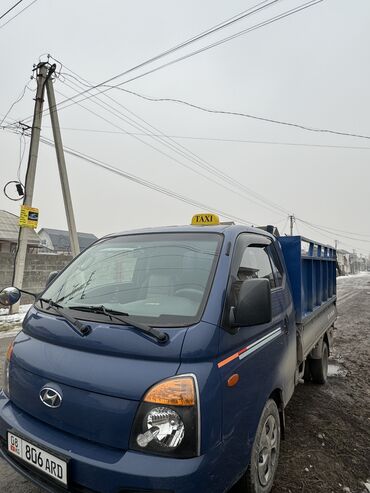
[75,248]
[336,244]
[20,257]
[292,221]
[44,73]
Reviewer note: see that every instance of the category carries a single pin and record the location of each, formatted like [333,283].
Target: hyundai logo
[50,397]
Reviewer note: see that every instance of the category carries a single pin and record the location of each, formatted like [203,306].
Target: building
[57,240]
[343,262]
[9,229]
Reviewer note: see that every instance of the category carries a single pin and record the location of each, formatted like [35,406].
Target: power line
[319,228]
[295,10]
[228,22]
[220,139]
[331,238]
[170,193]
[150,145]
[194,158]
[335,230]
[20,97]
[155,148]
[62,105]
[244,115]
[18,13]
[22,150]
[11,8]
[143,182]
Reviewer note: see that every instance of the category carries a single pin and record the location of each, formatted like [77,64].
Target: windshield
[160,279]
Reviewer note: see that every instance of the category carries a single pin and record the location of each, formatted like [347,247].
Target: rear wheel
[319,367]
[260,474]
[307,371]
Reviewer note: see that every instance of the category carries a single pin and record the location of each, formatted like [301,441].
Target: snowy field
[10,324]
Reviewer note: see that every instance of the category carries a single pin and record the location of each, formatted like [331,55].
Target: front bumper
[95,468]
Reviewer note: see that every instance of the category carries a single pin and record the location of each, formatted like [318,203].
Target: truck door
[255,356]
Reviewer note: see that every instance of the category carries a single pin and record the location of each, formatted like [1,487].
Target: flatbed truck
[162,360]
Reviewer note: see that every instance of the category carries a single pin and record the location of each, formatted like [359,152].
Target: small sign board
[29,217]
[207,219]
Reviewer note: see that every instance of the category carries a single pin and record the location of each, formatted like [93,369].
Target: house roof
[9,228]
[60,239]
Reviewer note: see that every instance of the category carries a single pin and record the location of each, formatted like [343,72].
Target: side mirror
[254,304]
[51,277]
[10,296]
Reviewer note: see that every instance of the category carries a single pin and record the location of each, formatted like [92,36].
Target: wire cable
[228,22]
[62,104]
[170,193]
[6,193]
[20,97]
[22,150]
[197,160]
[341,235]
[244,115]
[145,183]
[332,239]
[335,230]
[11,8]
[18,13]
[218,139]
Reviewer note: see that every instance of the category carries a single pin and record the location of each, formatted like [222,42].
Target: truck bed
[311,269]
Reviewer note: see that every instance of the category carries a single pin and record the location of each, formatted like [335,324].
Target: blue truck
[162,360]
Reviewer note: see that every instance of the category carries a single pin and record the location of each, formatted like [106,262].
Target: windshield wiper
[80,328]
[125,318]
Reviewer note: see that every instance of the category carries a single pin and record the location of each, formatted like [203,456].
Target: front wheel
[261,471]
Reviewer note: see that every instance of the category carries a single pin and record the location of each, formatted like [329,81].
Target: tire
[307,371]
[319,367]
[261,471]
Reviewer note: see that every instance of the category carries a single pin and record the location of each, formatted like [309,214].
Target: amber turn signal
[233,380]
[173,392]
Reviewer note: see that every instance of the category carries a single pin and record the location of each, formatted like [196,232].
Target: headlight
[6,369]
[167,422]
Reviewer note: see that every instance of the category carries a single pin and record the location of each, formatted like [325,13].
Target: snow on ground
[12,322]
[335,370]
[351,276]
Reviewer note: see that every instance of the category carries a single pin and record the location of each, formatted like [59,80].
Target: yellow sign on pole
[29,217]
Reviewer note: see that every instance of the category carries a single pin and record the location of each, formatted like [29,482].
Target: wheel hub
[267,450]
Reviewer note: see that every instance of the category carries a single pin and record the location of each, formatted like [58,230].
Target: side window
[276,265]
[255,264]
[251,260]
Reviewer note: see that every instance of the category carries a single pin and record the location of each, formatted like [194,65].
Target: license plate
[49,464]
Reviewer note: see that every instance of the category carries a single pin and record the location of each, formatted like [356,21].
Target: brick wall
[38,268]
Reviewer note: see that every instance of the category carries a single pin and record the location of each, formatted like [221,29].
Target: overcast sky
[311,68]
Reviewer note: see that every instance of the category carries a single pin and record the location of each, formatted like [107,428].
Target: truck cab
[161,360]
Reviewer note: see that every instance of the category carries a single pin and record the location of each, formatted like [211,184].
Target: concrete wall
[38,268]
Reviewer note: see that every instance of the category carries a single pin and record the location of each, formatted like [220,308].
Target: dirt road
[327,446]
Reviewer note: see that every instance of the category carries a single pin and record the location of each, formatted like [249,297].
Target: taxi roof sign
[205,219]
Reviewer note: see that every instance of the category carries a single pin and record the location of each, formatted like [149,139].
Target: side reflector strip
[228,360]
[246,351]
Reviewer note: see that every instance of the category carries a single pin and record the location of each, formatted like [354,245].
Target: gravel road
[327,446]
